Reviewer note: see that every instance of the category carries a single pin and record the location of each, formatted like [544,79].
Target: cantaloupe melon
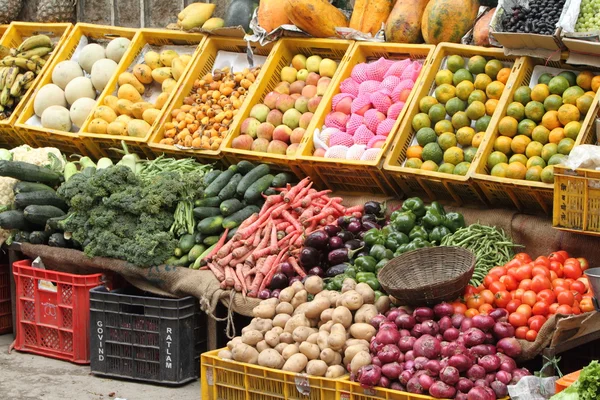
[56,117]
[49,95]
[65,72]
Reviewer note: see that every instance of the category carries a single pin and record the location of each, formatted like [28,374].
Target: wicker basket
[429,275]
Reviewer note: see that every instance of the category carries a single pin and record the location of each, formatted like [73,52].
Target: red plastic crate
[53,322]
[5,306]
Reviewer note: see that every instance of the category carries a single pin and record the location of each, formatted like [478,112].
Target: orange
[584,103]
[429,166]
[496,158]
[556,135]
[568,113]
[595,83]
[540,92]
[550,120]
[584,80]
[477,110]
[445,92]
[553,102]
[460,119]
[503,75]
[534,149]
[465,135]
[571,95]
[414,152]
[499,170]
[443,126]
[421,120]
[454,155]
[519,144]
[414,163]
[426,102]
[526,127]
[481,81]
[540,134]
[534,173]
[503,144]
[534,110]
[508,126]
[477,139]
[522,95]
[516,170]
[494,90]
[572,129]
[464,90]
[490,106]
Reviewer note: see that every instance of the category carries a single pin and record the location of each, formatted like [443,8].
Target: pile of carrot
[248,261]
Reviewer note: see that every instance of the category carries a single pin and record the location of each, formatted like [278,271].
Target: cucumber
[171,260]
[57,240]
[229,190]
[211,225]
[177,252]
[244,167]
[282,179]
[41,198]
[195,252]
[231,233]
[210,240]
[251,177]
[22,237]
[270,191]
[210,177]
[38,215]
[198,237]
[26,187]
[182,262]
[186,242]
[206,212]
[208,202]
[253,194]
[219,183]
[230,206]
[28,172]
[233,221]
[52,223]
[13,219]
[39,237]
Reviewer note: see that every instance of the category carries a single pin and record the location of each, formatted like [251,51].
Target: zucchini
[39,215]
[210,240]
[39,237]
[253,194]
[211,225]
[231,233]
[186,242]
[206,212]
[13,219]
[28,172]
[171,260]
[26,187]
[182,262]
[41,198]
[282,179]
[200,260]
[195,252]
[210,177]
[198,237]
[57,240]
[223,179]
[251,177]
[230,206]
[52,223]
[208,202]
[244,167]
[233,221]
[229,190]
[22,237]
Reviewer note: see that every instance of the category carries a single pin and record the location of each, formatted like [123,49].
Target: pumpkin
[271,15]
[481,31]
[448,20]
[315,17]
[369,15]
[404,23]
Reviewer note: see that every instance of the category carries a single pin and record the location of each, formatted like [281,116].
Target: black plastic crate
[145,337]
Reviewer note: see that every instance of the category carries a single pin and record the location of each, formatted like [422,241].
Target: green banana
[33,42]
[5,96]
[11,77]
[15,89]
[38,51]
[3,74]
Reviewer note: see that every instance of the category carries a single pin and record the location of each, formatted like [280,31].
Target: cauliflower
[41,157]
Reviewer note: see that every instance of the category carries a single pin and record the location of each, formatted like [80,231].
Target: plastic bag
[584,156]
[532,388]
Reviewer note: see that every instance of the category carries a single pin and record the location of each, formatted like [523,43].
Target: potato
[335,371]
[262,325]
[337,337]
[225,354]
[138,109]
[352,342]
[299,298]
[284,308]
[361,359]
[301,309]
[124,107]
[233,342]
[352,300]
[342,315]
[262,345]
[117,128]
[106,113]
[244,353]
[161,100]
[313,338]
[280,347]
[366,292]
[252,337]
[281,319]
[296,321]
[161,74]
[330,356]
[362,331]
[348,284]
[289,351]
[316,367]
[296,363]
[270,358]
[143,73]
[286,337]
[383,304]
[313,284]
[365,313]
[334,296]
[98,125]
[322,340]
[322,293]
[287,294]
[277,329]
[302,333]
[272,338]
[310,350]
[327,314]
[150,115]
[264,311]
[138,128]
[298,286]
[326,327]
[129,92]
[316,307]
[352,351]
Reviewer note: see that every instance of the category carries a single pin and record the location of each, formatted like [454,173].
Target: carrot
[240,276]
[219,245]
[249,221]
[308,199]
[219,274]
[226,249]
[288,217]
[286,239]
[258,278]
[240,251]
[225,260]
[229,281]
[307,214]
[354,209]
[277,212]
[282,226]
[237,285]
[273,199]
[327,211]
[303,193]
[274,269]
[268,264]
[293,192]
[273,238]
[296,267]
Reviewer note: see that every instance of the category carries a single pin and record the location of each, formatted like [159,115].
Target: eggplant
[279,281]
[340,256]
[345,236]
[335,242]
[318,271]
[362,254]
[287,269]
[332,230]
[366,225]
[369,217]
[336,270]
[355,226]
[275,293]
[295,279]
[264,294]
[373,207]
[317,239]
[309,257]
[343,222]
[361,235]
[352,244]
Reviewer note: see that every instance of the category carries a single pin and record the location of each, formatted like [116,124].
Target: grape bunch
[589,16]
[540,17]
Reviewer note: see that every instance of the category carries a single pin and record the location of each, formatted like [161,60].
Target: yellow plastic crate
[67,142]
[231,380]
[3,29]
[101,144]
[16,33]
[202,66]
[522,194]
[280,57]
[349,175]
[432,184]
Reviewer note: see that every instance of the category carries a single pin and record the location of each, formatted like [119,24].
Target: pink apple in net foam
[309,91]
[259,111]
[344,105]
[285,102]
[323,85]
[271,99]
[283,88]
[260,145]
[297,135]
[364,109]
[291,150]
[291,118]
[299,61]
[305,119]
[277,147]
[313,103]
[265,131]
[302,75]
[297,87]
[288,74]
[274,117]
[319,153]
[282,133]
[301,104]
[249,126]
[242,142]
[327,67]
[378,144]
[313,78]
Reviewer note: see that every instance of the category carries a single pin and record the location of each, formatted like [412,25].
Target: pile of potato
[319,337]
[128,113]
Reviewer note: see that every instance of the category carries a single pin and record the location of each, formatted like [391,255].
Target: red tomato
[553,308]
[540,270]
[471,312]
[559,289]
[576,310]
[531,335]
[585,281]
[583,263]
[542,260]
[572,270]
[546,295]
[565,298]
[525,284]
[558,256]
[521,332]
[470,289]
[512,272]
[518,294]
[498,271]
[529,298]
[517,319]
[536,322]
[564,254]
[586,305]
[512,305]
[556,267]
[553,275]
[524,272]
[497,286]
[578,296]
[558,282]
[568,283]
[510,282]
[485,308]
[523,257]
[502,298]
[579,286]
[459,308]
[539,283]
[489,279]
[540,308]
[564,309]
[524,309]
[514,263]
[488,296]
[475,301]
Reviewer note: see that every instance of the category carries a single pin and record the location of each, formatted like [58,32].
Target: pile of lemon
[541,126]
[451,124]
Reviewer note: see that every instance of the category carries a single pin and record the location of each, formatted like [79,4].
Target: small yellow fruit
[143,73]
[152,59]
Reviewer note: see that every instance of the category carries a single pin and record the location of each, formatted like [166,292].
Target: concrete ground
[25,376]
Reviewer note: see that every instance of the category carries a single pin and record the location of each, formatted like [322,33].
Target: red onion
[398,386]
[433,367]
[457,320]
[414,386]
[405,377]
[440,390]
[451,334]
[466,324]
[479,393]
[376,361]
[464,385]
[499,389]
[445,323]
[384,382]
[443,310]
[483,322]
[387,336]
[454,348]
[409,366]
[390,353]
[489,378]
[420,363]
[473,337]
[405,321]
[482,350]
[426,381]
[507,364]
[377,320]
[264,294]
[287,269]
[503,377]
[427,346]
[375,346]
[430,328]
[387,324]
[517,374]
[461,396]
[393,314]
[439,337]
[423,314]
[476,372]
[417,331]
[461,362]
[490,362]
[392,370]
[369,375]
[401,357]
[503,330]
[481,383]
[509,346]
[404,332]
[489,338]
[406,343]
[449,375]
[498,314]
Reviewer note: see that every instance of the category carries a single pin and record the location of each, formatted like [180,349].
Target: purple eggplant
[355,227]
[279,281]
[352,244]
[316,271]
[287,269]
[345,236]
[362,254]
[369,217]
[264,294]
[373,207]
[343,222]
[340,256]
[317,239]
[275,293]
[295,279]
[335,242]
[309,257]
[336,270]
[366,225]
[332,230]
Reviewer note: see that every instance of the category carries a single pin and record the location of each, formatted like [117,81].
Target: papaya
[369,15]
[404,23]
[448,20]
[271,15]
[315,17]
[481,31]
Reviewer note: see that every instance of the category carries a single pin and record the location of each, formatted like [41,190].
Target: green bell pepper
[415,205]
[369,278]
[379,252]
[395,239]
[420,243]
[378,294]
[405,221]
[338,281]
[388,230]
[374,237]
[431,219]
[330,286]
[381,264]
[437,234]
[436,206]
[351,272]
[373,282]
[454,221]
[418,232]
[403,248]
[365,264]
